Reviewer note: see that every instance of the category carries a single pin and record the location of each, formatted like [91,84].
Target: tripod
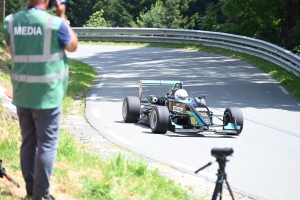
[8,177]
[221,176]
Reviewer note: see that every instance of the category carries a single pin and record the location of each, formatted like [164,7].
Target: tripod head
[220,154]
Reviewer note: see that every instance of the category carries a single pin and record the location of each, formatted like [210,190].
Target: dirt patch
[4,60]
[4,68]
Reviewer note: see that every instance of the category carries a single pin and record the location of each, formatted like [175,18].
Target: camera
[52,4]
[221,152]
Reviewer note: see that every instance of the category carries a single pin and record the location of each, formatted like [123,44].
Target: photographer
[36,41]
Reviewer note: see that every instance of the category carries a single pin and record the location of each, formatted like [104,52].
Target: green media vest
[40,69]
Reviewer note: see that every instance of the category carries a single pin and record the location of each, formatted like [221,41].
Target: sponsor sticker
[202,111]
[177,109]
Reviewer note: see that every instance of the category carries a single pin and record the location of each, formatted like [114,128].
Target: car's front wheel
[131,109]
[234,115]
[159,119]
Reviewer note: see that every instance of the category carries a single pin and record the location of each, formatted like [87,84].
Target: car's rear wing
[158,83]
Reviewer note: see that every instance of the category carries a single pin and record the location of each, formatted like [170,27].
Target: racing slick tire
[233,113]
[159,119]
[131,109]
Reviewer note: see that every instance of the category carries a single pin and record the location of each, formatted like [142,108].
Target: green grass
[82,78]
[119,178]
[133,178]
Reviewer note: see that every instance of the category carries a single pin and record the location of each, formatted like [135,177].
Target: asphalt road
[265,163]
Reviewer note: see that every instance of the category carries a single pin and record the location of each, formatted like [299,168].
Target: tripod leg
[219,183]
[217,190]
[221,190]
[229,188]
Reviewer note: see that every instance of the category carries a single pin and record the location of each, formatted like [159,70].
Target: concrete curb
[6,97]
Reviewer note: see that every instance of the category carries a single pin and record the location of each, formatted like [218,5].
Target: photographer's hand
[60,10]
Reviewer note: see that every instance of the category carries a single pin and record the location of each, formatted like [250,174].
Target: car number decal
[177,109]
[202,111]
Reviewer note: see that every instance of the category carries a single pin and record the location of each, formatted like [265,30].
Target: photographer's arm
[60,12]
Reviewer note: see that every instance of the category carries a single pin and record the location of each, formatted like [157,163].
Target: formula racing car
[178,112]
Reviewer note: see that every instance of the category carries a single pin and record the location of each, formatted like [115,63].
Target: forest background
[274,21]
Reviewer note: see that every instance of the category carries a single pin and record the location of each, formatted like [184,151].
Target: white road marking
[104,75]
[118,137]
[100,85]
[283,90]
[96,113]
[93,97]
[100,68]
[181,165]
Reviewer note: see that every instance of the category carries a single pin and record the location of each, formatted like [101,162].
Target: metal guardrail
[259,48]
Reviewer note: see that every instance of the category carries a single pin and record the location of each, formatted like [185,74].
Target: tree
[2,16]
[164,14]
[134,7]
[79,11]
[154,18]
[174,17]
[13,6]
[295,37]
[275,21]
[115,13]
[208,22]
[96,20]
[290,24]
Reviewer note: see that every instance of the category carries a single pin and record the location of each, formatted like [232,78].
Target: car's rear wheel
[233,115]
[131,109]
[159,119]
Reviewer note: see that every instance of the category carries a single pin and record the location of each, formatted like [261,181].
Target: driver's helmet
[181,94]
